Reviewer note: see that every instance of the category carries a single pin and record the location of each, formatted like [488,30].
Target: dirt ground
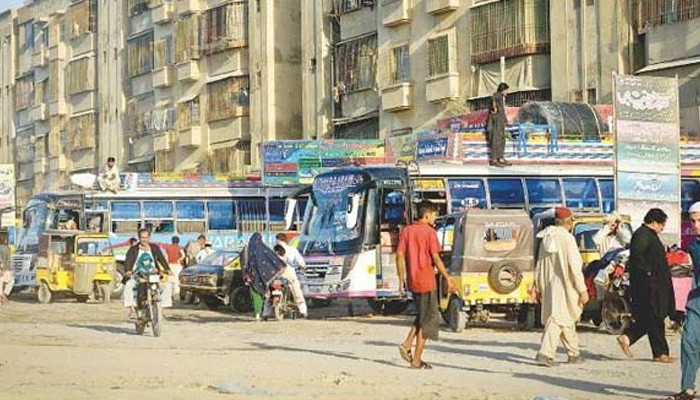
[67,350]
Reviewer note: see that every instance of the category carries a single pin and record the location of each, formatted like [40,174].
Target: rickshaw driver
[133,254]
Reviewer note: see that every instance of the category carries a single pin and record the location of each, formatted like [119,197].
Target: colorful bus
[353,217]
[226,212]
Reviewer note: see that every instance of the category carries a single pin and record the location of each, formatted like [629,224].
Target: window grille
[226,27]
[650,13]
[356,64]
[400,65]
[438,56]
[163,52]
[24,92]
[228,98]
[81,131]
[188,114]
[140,53]
[80,75]
[187,38]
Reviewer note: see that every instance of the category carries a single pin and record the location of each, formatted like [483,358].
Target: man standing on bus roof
[561,288]
[109,176]
[496,126]
[419,248]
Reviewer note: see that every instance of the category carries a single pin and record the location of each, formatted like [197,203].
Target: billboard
[647,149]
[7,193]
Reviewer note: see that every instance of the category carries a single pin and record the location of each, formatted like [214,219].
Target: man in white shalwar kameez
[561,289]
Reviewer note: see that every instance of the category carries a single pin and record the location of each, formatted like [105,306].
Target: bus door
[393,217]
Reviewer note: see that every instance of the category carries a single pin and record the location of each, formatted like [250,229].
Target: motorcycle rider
[136,253]
[612,235]
[290,275]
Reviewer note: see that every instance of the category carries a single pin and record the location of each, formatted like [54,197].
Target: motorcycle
[147,301]
[607,281]
[279,302]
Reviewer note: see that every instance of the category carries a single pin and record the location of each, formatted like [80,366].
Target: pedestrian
[193,248]
[496,127]
[260,265]
[108,180]
[613,235]
[418,251]
[651,290]
[561,288]
[7,276]
[134,255]
[205,252]
[690,341]
[176,256]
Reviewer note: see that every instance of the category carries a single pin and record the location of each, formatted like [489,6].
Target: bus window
[126,216]
[690,192]
[393,207]
[158,216]
[506,193]
[543,193]
[581,193]
[251,215]
[276,207]
[221,215]
[607,193]
[463,189]
[190,216]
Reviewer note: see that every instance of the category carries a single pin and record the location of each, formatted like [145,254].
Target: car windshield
[326,219]
[93,247]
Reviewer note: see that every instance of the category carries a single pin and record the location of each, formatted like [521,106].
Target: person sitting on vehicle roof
[612,235]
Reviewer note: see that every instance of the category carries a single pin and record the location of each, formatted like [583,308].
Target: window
[276,209]
[24,92]
[346,6]
[138,6]
[188,114]
[514,99]
[126,210]
[439,55]
[607,193]
[81,18]
[400,65]
[187,38]
[543,192]
[26,36]
[221,215]
[506,193]
[80,75]
[163,52]
[500,236]
[462,191]
[251,215]
[356,64]
[648,14]
[226,27]
[393,207]
[581,193]
[159,216]
[690,193]
[140,54]
[41,92]
[81,131]
[509,28]
[190,216]
[228,98]
[139,111]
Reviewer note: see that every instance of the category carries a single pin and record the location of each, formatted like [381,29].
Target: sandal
[422,365]
[684,395]
[406,354]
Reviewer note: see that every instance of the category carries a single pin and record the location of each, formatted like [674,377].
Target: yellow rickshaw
[489,257]
[76,263]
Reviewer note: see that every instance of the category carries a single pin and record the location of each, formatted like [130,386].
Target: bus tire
[43,294]
[505,278]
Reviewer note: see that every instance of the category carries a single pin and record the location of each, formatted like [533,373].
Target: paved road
[67,350]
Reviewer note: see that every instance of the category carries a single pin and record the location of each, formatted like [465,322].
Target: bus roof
[483,170]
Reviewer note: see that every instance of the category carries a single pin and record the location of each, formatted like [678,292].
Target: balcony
[188,71]
[163,141]
[58,163]
[397,97]
[40,58]
[187,6]
[40,112]
[58,107]
[441,6]
[442,87]
[190,137]
[396,12]
[58,52]
[162,77]
[40,165]
[162,13]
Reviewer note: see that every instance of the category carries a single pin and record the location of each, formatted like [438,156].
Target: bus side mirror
[353,211]
[290,206]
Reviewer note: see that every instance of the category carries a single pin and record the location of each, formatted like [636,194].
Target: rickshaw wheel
[82,298]
[455,317]
[43,294]
[118,287]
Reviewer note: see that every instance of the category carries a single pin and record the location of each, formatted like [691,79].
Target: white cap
[695,208]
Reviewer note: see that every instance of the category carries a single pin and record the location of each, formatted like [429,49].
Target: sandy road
[67,350]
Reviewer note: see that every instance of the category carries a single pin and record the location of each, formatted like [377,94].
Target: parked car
[218,281]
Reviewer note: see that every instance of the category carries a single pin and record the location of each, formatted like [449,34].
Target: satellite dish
[84,180]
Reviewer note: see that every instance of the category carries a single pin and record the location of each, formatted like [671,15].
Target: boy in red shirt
[419,245]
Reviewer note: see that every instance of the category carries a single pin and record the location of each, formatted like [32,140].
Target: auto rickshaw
[76,263]
[489,255]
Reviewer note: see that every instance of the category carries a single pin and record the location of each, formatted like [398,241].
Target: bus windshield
[33,223]
[325,228]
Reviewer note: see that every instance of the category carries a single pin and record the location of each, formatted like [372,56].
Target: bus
[353,217]
[228,214]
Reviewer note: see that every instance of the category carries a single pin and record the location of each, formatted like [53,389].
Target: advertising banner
[7,193]
[647,149]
